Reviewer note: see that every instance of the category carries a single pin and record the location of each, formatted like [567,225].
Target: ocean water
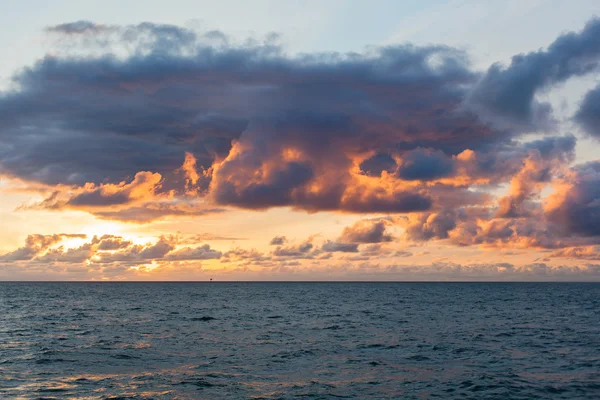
[299,340]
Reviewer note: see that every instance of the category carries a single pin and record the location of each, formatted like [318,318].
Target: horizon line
[287,281]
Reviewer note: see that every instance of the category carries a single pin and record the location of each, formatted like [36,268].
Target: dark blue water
[299,340]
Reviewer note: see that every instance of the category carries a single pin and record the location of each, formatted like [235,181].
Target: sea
[282,340]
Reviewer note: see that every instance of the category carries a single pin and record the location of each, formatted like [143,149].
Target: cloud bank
[143,122]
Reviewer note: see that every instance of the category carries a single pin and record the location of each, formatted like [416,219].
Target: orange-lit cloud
[425,148]
[144,199]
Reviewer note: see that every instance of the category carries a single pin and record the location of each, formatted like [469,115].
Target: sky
[300,140]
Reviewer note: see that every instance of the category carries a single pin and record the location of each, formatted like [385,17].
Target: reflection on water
[283,340]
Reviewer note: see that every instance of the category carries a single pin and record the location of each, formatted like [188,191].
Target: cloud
[165,258]
[36,244]
[522,218]
[203,237]
[506,94]
[204,252]
[366,231]
[246,257]
[473,226]
[104,250]
[588,115]
[159,210]
[575,203]
[423,164]
[110,242]
[78,28]
[374,250]
[545,158]
[142,200]
[278,240]
[143,185]
[275,187]
[76,255]
[192,176]
[255,126]
[301,250]
[378,163]
[496,271]
[142,122]
[137,253]
[582,253]
[430,226]
[332,247]
[293,270]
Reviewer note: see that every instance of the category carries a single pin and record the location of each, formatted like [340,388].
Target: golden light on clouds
[397,162]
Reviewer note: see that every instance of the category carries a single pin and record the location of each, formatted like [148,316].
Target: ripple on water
[282,340]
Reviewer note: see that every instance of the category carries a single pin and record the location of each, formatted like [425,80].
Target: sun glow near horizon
[146,150]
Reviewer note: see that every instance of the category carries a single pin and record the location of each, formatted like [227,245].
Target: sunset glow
[136,150]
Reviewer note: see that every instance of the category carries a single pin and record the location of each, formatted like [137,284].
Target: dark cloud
[276,188]
[297,121]
[561,148]
[506,95]
[378,163]
[398,202]
[588,115]
[423,164]
[136,122]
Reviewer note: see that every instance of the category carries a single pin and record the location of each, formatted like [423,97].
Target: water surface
[299,340]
